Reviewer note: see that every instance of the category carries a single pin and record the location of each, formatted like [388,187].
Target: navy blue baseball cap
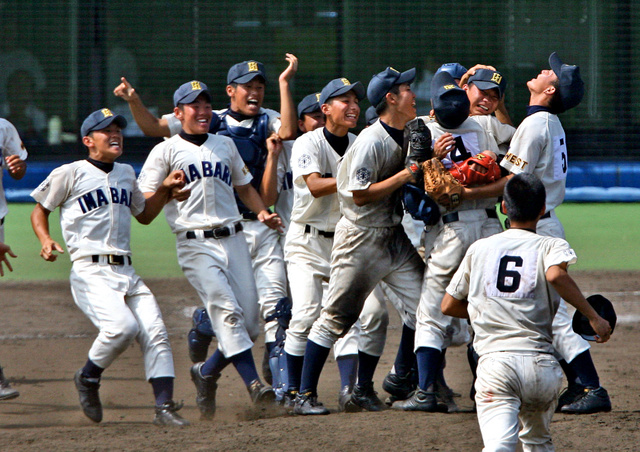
[450,102]
[455,69]
[309,104]
[382,82]
[100,119]
[488,79]
[571,86]
[370,115]
[340,86]
[188,92]
[245,72]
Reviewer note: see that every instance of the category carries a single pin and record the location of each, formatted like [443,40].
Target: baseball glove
[417,141]
[480,169]
[440,185]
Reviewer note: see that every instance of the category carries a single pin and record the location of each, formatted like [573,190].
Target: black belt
[249,216]
[217,233]
[546,215]
[327,234]
[112,259]
[1,221]
[453,216]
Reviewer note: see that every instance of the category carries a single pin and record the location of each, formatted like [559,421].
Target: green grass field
[605,237]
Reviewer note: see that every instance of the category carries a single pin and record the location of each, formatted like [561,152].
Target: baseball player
[6,391]
[97,197]
[13,159]
[248,125]
[211,246]
[509,286]
[456,138]
[539,147]
[370,245]
[309,241]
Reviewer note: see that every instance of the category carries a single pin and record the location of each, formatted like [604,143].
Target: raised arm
[148,123]
[269,183]
[155,201]
[288,115]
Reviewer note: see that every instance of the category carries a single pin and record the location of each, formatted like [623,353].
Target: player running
[97,197]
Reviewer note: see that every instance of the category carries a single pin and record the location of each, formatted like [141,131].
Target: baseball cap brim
[483,85]
[248,77]
[407,77]
[119,120]
[192,96]
[357,88]
[556,63]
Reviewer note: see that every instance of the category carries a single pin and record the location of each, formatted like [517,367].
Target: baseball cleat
[399,387]
[569,395]
[307,405]
[89,396]
[166,414]
[205,391]
[444,396]
[344,397]
[591,401]
[420,401]
[261,394]
[364,398]
[6,391]
[289,399]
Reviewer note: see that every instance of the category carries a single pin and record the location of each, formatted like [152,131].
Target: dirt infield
[44,339]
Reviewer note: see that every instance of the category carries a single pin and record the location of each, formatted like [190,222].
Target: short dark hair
[382,106]
[555,104]
[524,197]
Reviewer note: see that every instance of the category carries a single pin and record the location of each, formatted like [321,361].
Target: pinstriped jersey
[95,207]
[211,170]
[10,144]
[312,153]
[511,304]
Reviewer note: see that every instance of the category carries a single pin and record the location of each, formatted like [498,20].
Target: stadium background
[64,57]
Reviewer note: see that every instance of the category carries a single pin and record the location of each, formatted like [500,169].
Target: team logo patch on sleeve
[363,176]
[304,161]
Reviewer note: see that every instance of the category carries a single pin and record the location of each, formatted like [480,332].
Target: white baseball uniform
[501,133]
[539,146]
[370,244]
[308,254]
[218,268]
[10,144]
[450,238]
[95,217]
[267,257]
[511,308]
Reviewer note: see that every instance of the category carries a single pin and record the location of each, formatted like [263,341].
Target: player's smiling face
[406,99]
[105,145]
[544,80]
[247,98]
[196,116]
[342,113]
[483,102]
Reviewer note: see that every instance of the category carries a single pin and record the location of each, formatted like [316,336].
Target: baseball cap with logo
[340,86]
[450,102]
[101,119]
[245,72]
[188,92]
[309,104]
[488,79]
[455,69]
[382,82]
[571,86]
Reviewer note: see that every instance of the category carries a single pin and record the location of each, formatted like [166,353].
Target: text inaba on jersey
[220,171]
[98,198]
